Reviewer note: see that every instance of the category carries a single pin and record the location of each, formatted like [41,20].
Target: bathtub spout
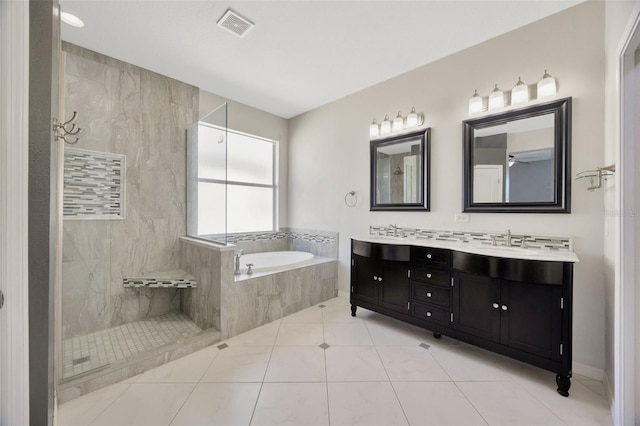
[237,261]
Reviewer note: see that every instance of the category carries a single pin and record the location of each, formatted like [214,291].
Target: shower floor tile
[90,351]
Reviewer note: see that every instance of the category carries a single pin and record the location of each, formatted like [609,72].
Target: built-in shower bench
[165,279]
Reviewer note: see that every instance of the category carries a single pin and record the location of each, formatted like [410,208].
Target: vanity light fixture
[385,126]
[412,118]
[398,123]
[475,103]
[374,129]
[71,19]
[496,99]
[546,86]
[519,93]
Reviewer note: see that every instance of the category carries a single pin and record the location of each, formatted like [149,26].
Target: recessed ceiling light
[71,19]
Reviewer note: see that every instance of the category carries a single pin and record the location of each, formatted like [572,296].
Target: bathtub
[275,260]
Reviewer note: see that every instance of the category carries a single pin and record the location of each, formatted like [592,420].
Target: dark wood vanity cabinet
[519,308]
[380,276]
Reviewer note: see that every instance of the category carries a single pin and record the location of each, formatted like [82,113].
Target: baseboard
[344,294]
[609,391]
[588,371]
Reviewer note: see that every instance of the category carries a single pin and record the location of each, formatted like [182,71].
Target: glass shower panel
[206,177]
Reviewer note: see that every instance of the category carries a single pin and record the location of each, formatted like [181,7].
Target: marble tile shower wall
[142,115]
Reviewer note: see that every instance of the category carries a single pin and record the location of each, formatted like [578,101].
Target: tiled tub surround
[542,242]
[235,304]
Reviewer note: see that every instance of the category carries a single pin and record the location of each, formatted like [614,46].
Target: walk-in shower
[124,212]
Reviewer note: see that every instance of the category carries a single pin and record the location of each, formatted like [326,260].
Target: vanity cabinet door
[366,278]
[395,286]
[476,305]
[531,318]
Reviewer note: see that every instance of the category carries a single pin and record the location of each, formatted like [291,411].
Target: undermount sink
[514,250]
[389,237]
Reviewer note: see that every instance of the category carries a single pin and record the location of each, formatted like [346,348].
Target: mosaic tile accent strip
[263,236]
[90,351]
[93,184]
[543,242]
[159,283]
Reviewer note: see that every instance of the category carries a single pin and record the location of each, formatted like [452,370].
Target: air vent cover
[235,23]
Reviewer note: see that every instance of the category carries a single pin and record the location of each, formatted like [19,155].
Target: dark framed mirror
[400,172]
[519,161]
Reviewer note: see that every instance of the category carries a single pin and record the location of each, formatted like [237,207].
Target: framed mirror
[519,161]
[400,172]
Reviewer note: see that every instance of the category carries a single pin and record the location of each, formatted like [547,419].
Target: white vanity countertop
[486,250]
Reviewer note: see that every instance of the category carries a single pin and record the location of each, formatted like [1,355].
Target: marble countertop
[482,249]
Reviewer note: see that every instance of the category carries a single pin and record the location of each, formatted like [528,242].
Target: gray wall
[126,110]
[531,182]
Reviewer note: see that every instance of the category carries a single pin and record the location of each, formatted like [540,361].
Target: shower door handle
[1,299]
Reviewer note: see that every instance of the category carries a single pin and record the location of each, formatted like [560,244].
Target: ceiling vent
[235,23]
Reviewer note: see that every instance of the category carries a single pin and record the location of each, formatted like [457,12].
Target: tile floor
[321,366]
[90,351]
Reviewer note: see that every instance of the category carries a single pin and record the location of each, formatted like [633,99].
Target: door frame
[627,202]
[14,142]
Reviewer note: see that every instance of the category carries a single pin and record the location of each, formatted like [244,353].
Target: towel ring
[351,199]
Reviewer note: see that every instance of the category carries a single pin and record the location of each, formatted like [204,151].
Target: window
[243,194]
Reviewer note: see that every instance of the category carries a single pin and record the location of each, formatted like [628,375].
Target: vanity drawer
[436,314]
[431,275]
[430,294]
[432,255]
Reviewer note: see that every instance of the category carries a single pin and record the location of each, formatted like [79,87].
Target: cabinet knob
[504,307]
[428,256]
[428,275]
[379,278]
[428,294]
[496,306]
[375,278]
[428,313]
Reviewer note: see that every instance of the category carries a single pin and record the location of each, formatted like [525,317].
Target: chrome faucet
[237,261]
[395,229]
[508,235]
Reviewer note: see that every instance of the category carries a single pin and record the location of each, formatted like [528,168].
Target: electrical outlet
[461,217]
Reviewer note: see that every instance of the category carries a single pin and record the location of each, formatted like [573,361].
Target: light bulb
[374,129]
[546,86]
[519,93]
[398,123]
[412,118]
[496,99]
[385,126]
[475,103]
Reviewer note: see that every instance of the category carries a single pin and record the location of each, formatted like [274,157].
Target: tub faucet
[395,229]
[237,261]
[508,235]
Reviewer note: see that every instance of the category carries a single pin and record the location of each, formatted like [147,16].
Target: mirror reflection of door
[487,183]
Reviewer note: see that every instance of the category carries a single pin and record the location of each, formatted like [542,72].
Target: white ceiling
[301,54]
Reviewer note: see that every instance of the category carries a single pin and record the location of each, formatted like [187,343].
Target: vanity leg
[564,383]
[437,335]
[353,310]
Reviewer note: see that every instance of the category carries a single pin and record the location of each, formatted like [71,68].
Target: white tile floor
[373,372]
